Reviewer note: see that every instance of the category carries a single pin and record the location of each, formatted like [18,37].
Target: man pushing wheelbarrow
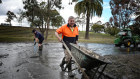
[69,35]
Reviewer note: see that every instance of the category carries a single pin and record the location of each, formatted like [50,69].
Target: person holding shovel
[70,34]
[38,37]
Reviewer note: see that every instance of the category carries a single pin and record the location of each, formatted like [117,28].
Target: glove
[34,43]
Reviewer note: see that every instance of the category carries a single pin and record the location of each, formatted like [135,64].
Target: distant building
[5,24]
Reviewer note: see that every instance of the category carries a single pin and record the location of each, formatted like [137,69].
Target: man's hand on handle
[59,38]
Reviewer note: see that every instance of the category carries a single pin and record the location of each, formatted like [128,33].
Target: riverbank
[24,34]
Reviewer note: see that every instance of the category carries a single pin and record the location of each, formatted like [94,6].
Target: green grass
[96,38]
[24,34]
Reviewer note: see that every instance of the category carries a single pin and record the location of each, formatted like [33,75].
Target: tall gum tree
[40,14]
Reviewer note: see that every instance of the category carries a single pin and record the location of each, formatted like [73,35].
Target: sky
[14,6]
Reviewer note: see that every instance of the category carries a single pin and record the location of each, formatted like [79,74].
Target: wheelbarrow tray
[87,58]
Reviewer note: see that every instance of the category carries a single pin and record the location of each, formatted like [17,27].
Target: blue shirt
[39,35]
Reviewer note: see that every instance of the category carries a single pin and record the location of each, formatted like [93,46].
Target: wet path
[22,63]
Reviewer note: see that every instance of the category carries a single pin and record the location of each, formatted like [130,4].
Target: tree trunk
[82,27]
[10,23]
[87,25]
[48,19]
[48,23]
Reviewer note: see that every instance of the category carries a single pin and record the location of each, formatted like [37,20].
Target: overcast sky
[15,5]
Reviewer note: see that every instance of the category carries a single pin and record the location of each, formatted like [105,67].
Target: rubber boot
[62,64]
[40,48]
[69,66]
[70,74]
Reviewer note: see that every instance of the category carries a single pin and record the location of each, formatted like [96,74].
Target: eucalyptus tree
[90,8]
[30,7]
[10,16]
[40,14]
[122,11]
[50,7]
[21,14]
[33,13]
[135,27]
[56,19]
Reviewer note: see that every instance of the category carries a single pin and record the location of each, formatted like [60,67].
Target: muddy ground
[19,61]
[124,66]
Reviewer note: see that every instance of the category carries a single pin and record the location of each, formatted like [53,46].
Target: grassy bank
[24,34]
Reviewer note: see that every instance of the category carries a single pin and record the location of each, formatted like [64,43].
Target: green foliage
[56,19]
[43,14]
[40,11]
[97,28]
[135,28]
[112,30]
[89,8]
[31,10]
[10,16]
[122,10]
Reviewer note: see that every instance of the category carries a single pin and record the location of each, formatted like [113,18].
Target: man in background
[38,38]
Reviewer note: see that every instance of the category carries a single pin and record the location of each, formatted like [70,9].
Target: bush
[97,28]
[112,30]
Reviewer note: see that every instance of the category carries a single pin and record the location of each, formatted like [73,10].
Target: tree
[50,6]
[33,13]
[10,16]
[122,10]
[90,8]
[97,28]
[42,14]
[56,19]
[112,30]
[135,27]
[21,14]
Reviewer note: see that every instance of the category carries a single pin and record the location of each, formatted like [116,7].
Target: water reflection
[109,49]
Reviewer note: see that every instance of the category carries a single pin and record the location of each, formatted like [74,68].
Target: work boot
[62,64]
[70,74]
[40,48]
[69,66]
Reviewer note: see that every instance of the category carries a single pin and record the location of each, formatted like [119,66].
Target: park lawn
[24,34]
